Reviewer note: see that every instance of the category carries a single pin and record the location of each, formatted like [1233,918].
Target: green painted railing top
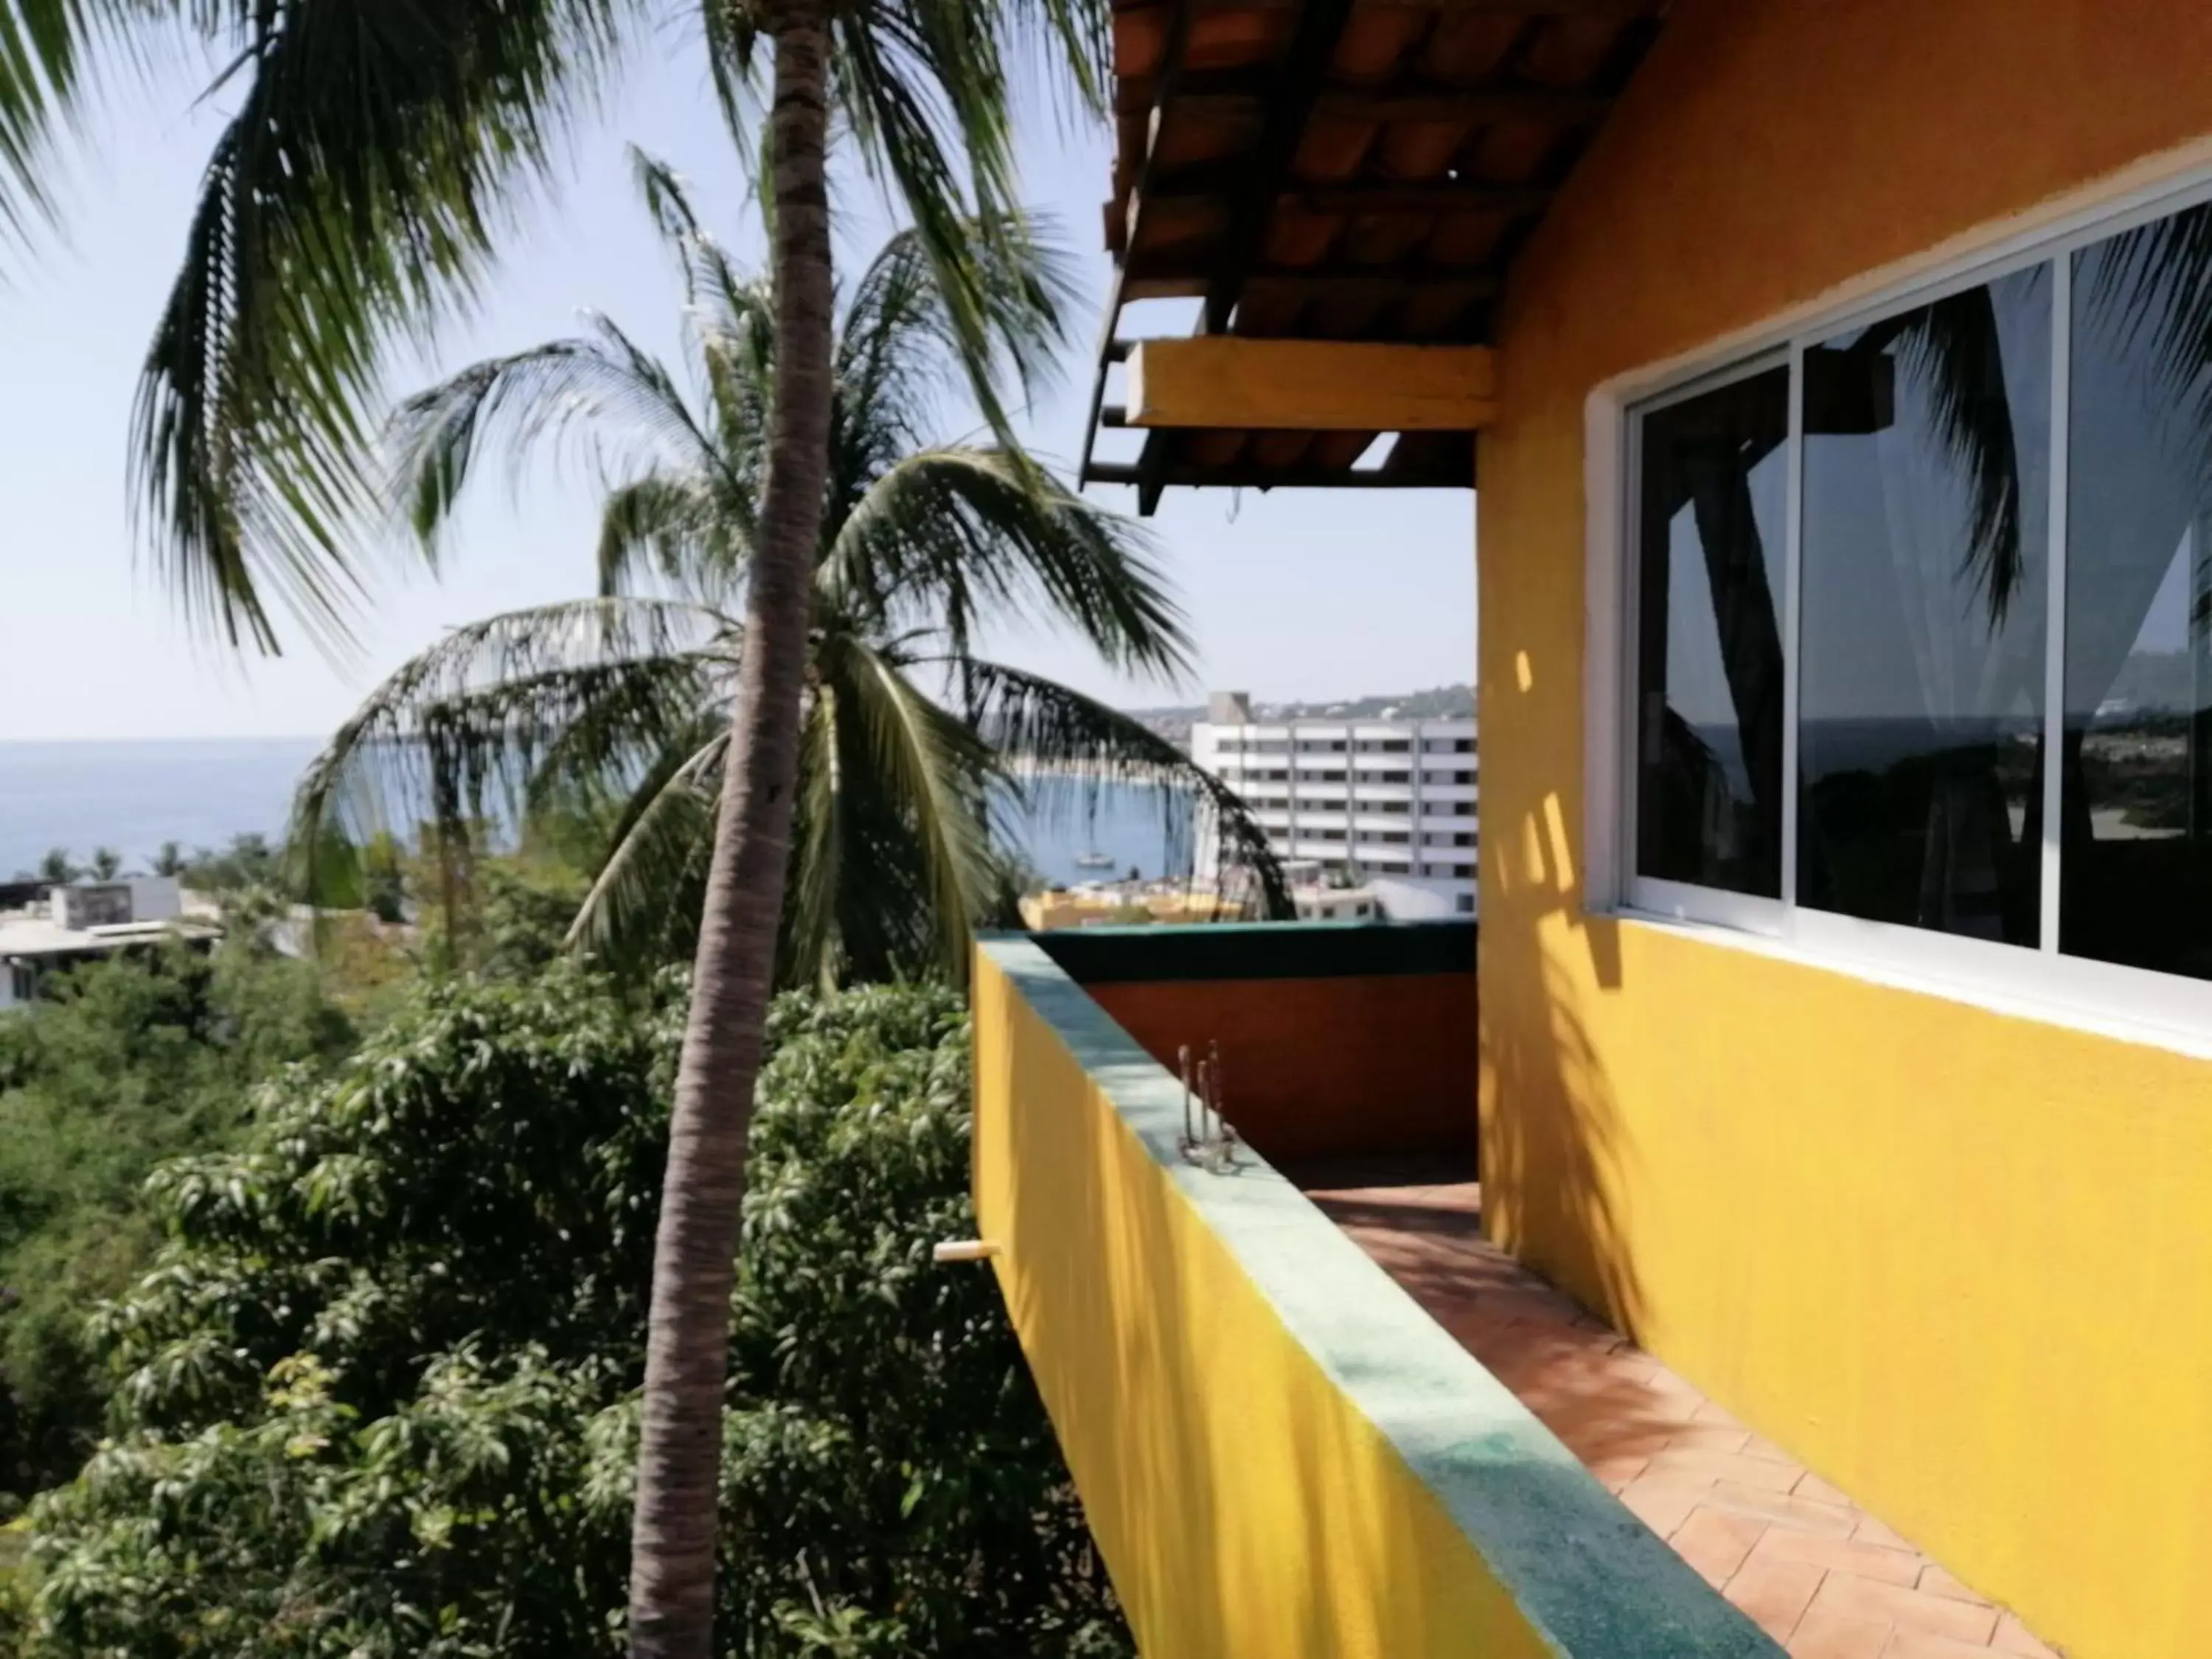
[1591,1577]
[1263,950]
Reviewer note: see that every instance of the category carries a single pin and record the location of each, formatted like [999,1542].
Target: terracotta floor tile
[1663,1505]
[1725,1466]
[1615,1473]
[1820,1574]
[1720,1415]
[1908,1609]
[1935,1581]
[1781,1508]
[1823,1633]
[1707,1437]
[1873,1532]
[1716,1543]
[1914,1644]
[2013,1637]
[1899,1567]
[1758,1447]
[1774,1594]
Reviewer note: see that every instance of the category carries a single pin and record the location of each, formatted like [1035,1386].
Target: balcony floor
[1821,1575]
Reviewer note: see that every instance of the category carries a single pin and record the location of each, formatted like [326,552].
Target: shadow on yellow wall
[1554,1159]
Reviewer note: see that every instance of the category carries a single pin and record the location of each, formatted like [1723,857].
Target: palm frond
[923,86]
[1036,725]
[352,200]
[470,721]
[899,343]
[657,856]
[672,526]
[635,417]
[731,31]
[47,50]
[730,317]
[2156,282]
[948,535]
[809,952]
[929,774]
[1953,347]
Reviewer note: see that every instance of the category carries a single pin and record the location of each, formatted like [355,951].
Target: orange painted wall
[1960,1264]
[1325,1066]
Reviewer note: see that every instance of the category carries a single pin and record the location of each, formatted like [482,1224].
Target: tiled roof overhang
[1360,170]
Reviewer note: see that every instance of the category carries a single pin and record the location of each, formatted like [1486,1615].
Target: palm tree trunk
[673,1533]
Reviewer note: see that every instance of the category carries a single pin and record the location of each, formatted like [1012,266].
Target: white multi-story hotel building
[1390,802]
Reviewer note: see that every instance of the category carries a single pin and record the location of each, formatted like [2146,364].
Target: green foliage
[889,1464]
[130,1061]
[356,1392]
[378,1396]
[248,862]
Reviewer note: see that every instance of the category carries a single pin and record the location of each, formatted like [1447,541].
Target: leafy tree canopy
[124,1063]
[378,1395]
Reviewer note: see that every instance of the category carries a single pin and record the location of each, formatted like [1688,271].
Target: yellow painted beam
[1330,386]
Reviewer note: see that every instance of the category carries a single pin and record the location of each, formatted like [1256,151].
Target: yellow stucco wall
[1245,1506]
[1959,1263]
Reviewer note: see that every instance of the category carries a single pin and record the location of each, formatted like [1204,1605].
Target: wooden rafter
[1224,382]
[1163,88]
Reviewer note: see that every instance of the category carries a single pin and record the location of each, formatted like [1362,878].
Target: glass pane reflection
[1920,672]
[1709,747]
[2136,788]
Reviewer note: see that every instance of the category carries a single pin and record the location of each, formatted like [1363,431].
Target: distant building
[80,923]
[1389,805]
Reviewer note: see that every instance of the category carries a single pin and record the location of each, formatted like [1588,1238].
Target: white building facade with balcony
[1389,802]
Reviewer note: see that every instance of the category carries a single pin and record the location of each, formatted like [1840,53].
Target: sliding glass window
[1864,568]
[1921,632]
[1709,705]
[2136,800]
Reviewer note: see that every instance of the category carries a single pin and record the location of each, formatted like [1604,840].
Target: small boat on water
[1094,861]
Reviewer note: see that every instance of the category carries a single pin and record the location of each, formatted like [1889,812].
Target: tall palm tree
[922,87]
[902,801]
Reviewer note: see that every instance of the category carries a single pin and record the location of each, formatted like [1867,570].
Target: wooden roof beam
[1163,90]
[1309,385]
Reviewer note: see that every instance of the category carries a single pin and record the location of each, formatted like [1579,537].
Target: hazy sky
[1298,594]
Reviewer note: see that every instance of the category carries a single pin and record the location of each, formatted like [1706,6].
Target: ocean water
[1140,826]
[133,796]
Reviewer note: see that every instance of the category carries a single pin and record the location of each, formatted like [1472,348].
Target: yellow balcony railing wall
[1282,1457]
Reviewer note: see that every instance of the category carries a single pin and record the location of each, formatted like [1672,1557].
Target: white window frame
[2037,982]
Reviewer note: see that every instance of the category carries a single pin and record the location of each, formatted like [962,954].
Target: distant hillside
[1437,703]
